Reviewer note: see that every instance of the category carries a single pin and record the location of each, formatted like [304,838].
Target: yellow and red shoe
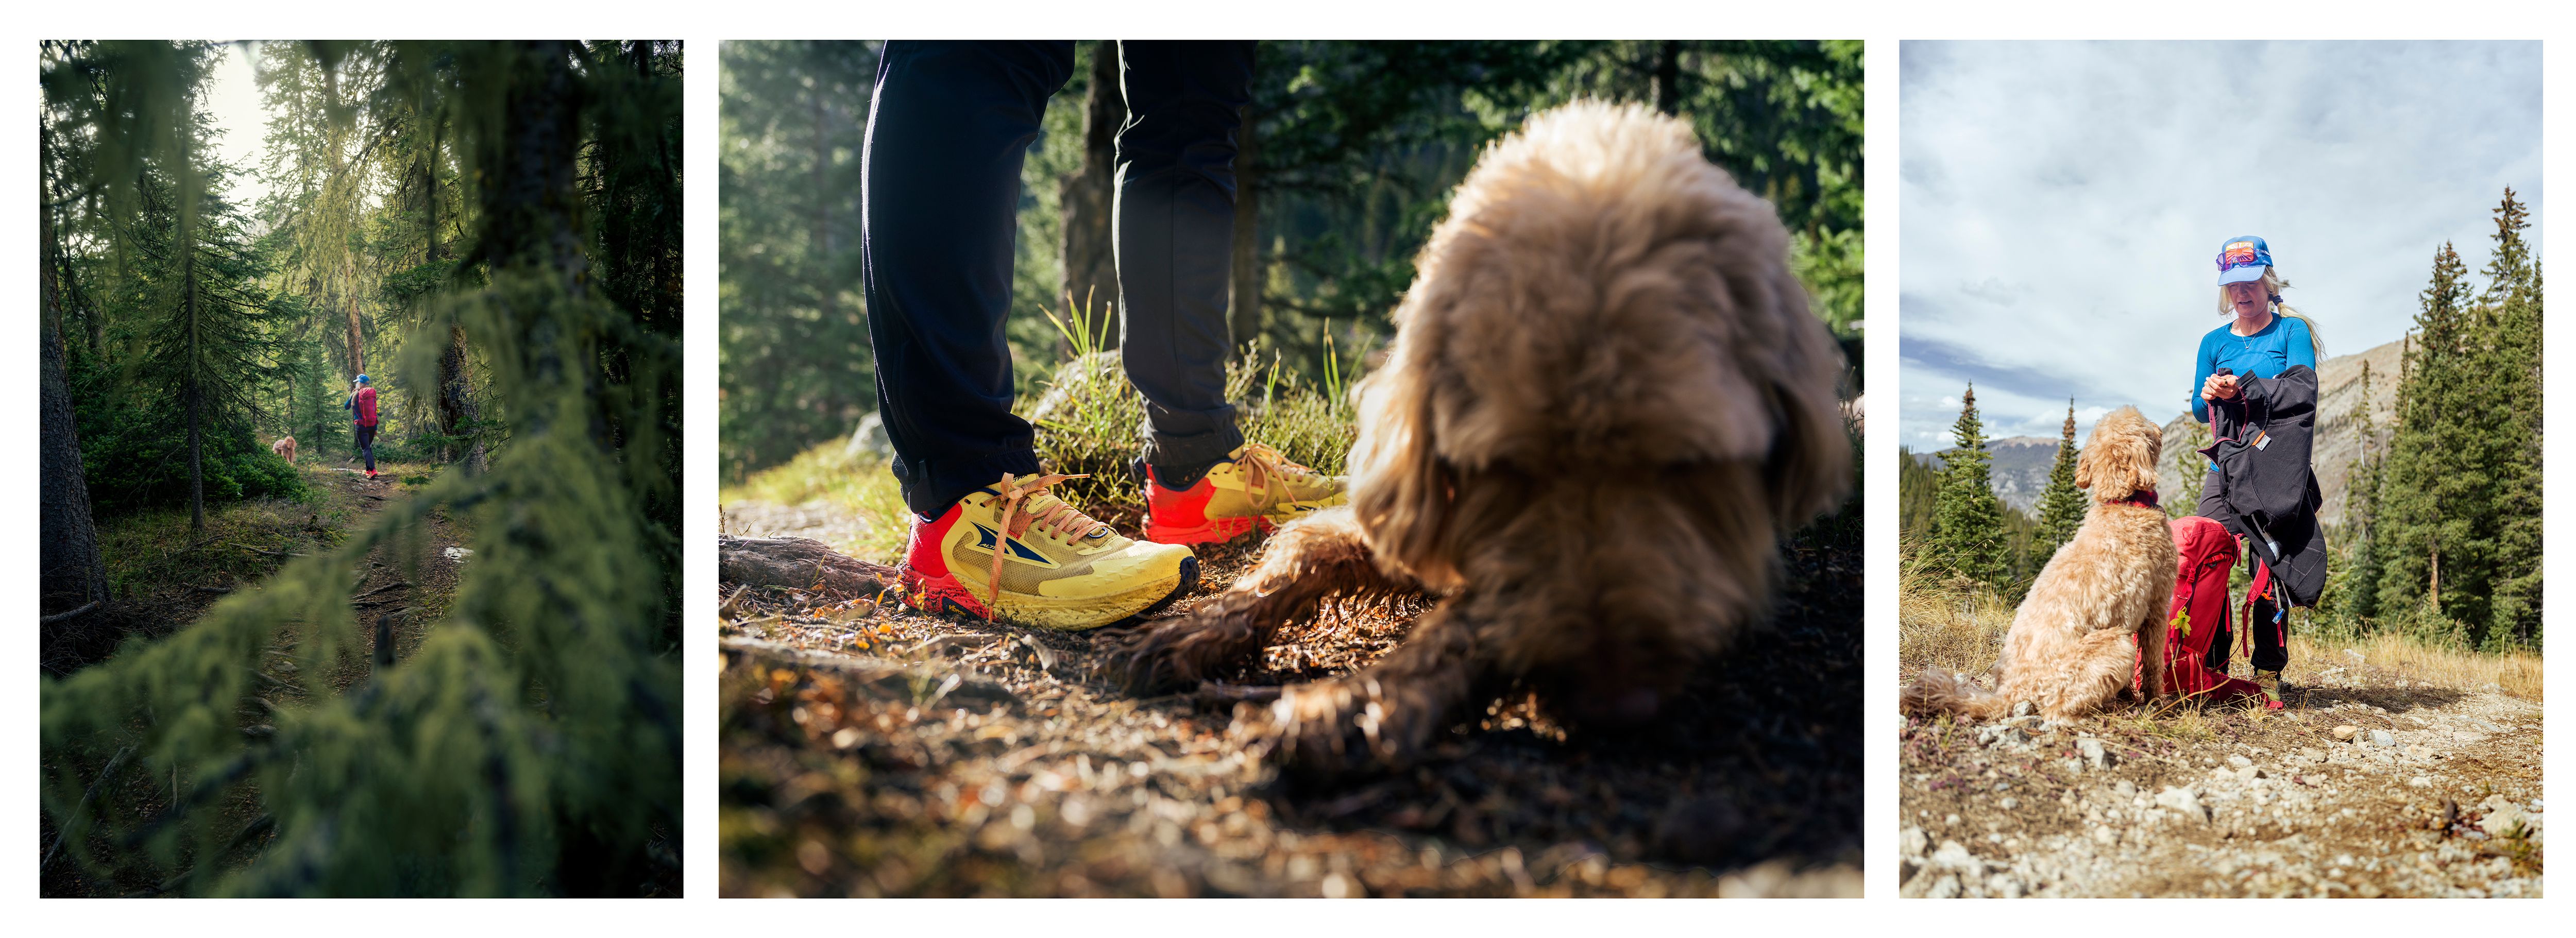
[1254,487]
[1015,552]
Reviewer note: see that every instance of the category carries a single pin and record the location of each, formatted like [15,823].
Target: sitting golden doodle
[284,447]
[2070,649]
[1605,404]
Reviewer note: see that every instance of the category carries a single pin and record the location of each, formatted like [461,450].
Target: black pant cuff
[929,490]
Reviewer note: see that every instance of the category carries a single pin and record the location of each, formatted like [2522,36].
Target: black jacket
[2268,488]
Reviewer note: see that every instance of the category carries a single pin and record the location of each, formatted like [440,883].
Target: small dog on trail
[1605,404]
[285,446]
[2070,650]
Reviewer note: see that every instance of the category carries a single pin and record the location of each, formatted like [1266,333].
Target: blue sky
[2062,203]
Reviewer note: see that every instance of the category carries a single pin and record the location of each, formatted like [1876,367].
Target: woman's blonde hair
[2272,287]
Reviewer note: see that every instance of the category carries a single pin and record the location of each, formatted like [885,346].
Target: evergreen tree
[2513,368]
[2433,493]
[2353,581]
[1968,536]
[2061,504]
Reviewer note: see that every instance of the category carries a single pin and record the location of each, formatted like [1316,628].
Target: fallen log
[798,563]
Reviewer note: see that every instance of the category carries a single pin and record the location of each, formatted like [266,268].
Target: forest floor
[867,749]
[165,578]
[2397,770]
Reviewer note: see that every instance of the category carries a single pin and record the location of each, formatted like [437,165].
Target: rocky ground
[871,750]
[2366,786]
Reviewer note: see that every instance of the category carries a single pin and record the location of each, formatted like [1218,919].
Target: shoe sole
[946,595]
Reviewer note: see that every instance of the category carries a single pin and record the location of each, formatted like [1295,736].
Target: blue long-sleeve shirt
[2264,354]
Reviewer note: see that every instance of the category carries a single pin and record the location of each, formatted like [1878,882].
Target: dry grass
[1949,624]
[2390,657]
[859,490]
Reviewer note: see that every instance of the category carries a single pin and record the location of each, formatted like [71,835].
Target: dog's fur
[285,446]
[2070,650]
[1605,404]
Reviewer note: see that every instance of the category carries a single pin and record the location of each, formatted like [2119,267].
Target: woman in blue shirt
[2263,338]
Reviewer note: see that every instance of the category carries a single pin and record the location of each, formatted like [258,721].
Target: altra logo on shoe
[985,538]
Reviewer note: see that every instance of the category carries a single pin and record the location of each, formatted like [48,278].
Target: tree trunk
[357,357]
[187,244]
[73,574]
[1666,77]
[1243,313]
[827,287]
[1090,261]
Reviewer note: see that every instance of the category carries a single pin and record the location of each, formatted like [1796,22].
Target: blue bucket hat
[2242,259]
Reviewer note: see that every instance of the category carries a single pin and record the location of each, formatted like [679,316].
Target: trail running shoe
[2270,682]
[1015,552]
[1253,487]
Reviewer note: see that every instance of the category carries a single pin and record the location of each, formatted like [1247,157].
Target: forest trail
[401,593]
[2374,783]
[172,585]
[869,749]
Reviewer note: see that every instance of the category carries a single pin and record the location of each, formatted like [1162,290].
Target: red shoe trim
[926,581]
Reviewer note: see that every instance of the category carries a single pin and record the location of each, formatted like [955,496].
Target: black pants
[367,443]
[951,124]
[2271,639]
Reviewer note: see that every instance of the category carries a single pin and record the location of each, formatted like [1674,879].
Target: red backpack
[2199,613]
[366,406]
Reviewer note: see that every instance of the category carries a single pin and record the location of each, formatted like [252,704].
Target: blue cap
[362,379]
[2242,259]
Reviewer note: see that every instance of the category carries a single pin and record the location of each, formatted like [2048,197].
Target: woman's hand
[2218,388]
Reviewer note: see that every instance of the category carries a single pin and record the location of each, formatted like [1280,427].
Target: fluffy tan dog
[2071,650]
[285,446]
[1606,402]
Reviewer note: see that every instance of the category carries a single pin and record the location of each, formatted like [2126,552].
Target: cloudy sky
[2063,204]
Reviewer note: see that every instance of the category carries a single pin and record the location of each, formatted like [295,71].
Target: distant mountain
[2017,471]
[2021,463]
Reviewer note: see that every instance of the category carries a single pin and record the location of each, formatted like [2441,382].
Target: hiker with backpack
[362,416]
[2257,389]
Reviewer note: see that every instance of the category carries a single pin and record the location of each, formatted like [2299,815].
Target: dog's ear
[1810,465]
[1400,488]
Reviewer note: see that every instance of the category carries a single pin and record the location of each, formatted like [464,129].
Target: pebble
[2008,803]
[2183,800]
[2346,732]
[2025,708]
[1913,841]
[2420,781]
[2094,753]
[2239,761]
[2383,738]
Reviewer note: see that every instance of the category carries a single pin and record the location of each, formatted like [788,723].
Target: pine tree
[2354,581]
[2513,366]
[2432,492]
[2061,504]
[2185,499]
[1968,536]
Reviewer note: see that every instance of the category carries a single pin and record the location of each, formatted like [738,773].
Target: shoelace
[1262,464]
[1059,517]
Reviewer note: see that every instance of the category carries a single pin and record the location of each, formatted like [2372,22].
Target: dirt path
[2370,786]
[872,750]
[406,593]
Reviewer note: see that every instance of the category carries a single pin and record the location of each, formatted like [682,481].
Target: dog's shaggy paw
[1335,726]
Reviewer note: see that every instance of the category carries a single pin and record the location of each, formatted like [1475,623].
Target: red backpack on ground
[2198,615]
